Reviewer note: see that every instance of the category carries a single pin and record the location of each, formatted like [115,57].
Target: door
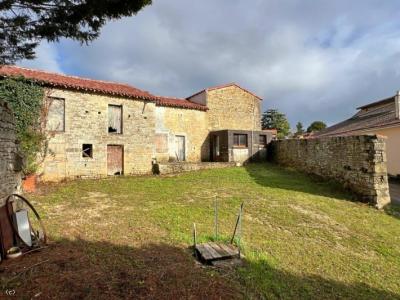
[215,148]
[180,147]
[115,160]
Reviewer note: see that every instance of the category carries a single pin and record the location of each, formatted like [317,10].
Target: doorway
[115,160]
[180,152]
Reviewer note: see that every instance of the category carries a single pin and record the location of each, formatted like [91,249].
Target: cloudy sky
[313,60]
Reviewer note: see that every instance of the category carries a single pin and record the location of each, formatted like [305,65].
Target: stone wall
[233,108]
[192,124]
[10,160]
[358,162]
[86,122]
[179,167]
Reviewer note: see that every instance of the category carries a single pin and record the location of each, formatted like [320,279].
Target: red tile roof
[104,87]
[224,86]
[76,83]
[178,102]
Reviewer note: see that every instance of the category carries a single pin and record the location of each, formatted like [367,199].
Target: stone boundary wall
[10,160]
[179,167]
[357,162]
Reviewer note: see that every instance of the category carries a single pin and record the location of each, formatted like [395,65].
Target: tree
[316,126]
[299,128]
[273,119]
[24,23]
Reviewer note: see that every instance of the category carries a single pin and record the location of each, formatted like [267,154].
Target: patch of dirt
[100,270]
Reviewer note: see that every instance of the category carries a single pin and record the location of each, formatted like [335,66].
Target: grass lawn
[128,237]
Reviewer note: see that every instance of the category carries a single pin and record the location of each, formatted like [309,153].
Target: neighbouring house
[101,128]
[382,118]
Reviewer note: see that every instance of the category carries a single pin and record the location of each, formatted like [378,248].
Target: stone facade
[230,107]
[233,108]
[86,122]
[358,162]
[98,128]
[10,159]
[191,124]
[149,131]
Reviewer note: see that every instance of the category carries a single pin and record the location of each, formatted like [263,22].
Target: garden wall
[10,160]
[357,162]
[179,167]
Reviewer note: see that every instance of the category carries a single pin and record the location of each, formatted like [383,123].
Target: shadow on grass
[274,176]
[81,269]
[393,210]
[100,270]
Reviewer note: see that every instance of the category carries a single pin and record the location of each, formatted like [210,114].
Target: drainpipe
[397,102]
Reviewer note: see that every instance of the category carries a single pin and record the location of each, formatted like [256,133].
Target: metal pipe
[237,223]
[194,238]
[216,217]
[240,227]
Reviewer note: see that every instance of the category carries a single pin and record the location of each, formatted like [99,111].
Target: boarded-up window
[56,114]
[161,142]
[114,119]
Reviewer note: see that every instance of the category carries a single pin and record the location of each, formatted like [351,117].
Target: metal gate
[115,160]
[180,147]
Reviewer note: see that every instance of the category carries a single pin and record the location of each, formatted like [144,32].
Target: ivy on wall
[26,100]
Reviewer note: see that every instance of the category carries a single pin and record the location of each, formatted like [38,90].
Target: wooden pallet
[209,252]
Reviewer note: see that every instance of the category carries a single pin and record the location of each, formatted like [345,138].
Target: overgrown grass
[301,238]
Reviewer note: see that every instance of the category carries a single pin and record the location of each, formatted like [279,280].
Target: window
[87,150]
[240,140]
[263,140]
[55,114]
[216,144]
[115,119]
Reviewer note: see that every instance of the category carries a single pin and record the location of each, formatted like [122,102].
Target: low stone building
[99,128]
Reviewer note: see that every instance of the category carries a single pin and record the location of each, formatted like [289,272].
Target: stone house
[98,128]
[377,118]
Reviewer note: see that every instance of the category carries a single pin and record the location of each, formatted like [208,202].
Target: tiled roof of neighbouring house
[76,83]
[224,86]
[371,116]
[180,103]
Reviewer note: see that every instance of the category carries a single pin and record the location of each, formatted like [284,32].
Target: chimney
[397,102]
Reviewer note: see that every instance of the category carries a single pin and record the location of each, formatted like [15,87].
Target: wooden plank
[230,249]
[222,252]
[212,251]
[204,253]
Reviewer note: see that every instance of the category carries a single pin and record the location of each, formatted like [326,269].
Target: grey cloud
[310,59]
